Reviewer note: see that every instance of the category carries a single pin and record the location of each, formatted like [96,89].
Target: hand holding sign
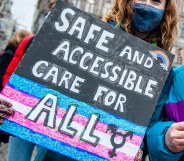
[174,138]
[5,110]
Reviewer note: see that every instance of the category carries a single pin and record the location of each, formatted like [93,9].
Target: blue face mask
[146,18]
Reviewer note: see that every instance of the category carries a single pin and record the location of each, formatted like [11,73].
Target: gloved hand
[5,110]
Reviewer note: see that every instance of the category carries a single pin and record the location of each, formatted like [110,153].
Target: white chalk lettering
[36,66]
[84,58]
[64,20]
[87,134]
[96,65]
[78,26]
[149,90]
[90,34]
[64,126]
[110,98]
[45,106]
[64,49]
[76,84]
[53,73]
[103,40]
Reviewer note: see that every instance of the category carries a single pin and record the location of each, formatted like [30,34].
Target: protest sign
[85,89]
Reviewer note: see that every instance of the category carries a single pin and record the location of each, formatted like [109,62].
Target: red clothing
[16,59]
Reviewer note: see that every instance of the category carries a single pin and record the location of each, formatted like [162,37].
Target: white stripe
[128,148]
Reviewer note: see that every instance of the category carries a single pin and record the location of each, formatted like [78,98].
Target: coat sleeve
[5,60]
[158,127]
[156,144]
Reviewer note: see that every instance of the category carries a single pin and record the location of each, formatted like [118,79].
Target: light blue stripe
[47,142]
[39,91]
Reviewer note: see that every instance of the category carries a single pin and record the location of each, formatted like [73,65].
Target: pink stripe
[31,102]
[53,133]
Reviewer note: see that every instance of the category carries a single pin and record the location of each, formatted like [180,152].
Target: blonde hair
[17,37]
[122,12]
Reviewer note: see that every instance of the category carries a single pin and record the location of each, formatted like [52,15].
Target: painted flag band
[24,99]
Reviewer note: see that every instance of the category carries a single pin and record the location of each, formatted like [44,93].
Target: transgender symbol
[115,133]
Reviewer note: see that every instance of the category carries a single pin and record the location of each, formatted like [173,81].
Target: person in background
[5,60]
[154,21]
[17,58]
[10,49]
[25,150]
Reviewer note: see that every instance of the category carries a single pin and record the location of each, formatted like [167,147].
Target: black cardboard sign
[113,76]
[115,70]
[111,69]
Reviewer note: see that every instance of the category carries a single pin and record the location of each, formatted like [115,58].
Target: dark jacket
[5,60]
[17,58]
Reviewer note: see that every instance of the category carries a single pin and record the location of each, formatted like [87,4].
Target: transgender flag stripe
[56,145]
[19,117]
[39,91]
[25,94]
[30,102]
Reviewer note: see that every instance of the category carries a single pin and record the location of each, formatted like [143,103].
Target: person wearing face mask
[154,21]
[146,18]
